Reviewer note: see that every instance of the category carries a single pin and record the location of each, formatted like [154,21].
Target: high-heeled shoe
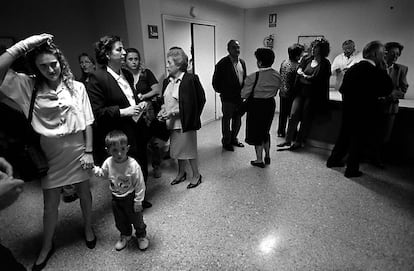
[180,180]
[192,185]
[40,266]
[91,244]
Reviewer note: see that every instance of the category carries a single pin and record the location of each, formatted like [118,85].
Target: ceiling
[246,4]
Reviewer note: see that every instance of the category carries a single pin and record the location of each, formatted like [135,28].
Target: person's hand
[137,207]
[87,161]
[133,110]
[100,172]
[10,189]
[28,44]
[162,115]
[6,167]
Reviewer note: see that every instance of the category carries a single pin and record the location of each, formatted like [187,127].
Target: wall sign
[272,20]
[152,32]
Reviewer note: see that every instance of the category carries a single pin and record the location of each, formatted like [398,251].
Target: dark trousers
[230,117]
[353,137]
[284,113]
[303,111]
[8,262]
[124,214]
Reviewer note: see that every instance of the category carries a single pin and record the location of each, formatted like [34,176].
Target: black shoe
[70,198]
[332,163]
[91,244]
[257,164]
[193,185]
[296,146]
[352,173]
[267,160]
[40,266]
[284,144]
[228,147]
[146,204]
[237,144]
[180,180]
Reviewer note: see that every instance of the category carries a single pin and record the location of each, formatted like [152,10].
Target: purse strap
[32,101]
[254,85]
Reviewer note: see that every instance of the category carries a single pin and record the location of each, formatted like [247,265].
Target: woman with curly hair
[62,115]
[311,93]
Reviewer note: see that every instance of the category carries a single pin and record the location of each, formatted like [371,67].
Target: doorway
[197,39]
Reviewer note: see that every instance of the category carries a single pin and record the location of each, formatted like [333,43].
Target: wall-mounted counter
[401,146]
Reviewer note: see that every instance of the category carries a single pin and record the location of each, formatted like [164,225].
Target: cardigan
[191,99]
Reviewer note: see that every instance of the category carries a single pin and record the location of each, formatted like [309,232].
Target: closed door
[203,62]
[198,42]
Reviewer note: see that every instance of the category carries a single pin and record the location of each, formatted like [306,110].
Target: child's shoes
[143,243]
[122,242]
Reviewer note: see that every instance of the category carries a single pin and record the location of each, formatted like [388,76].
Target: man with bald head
[228,79]
[344,61]
[364,84]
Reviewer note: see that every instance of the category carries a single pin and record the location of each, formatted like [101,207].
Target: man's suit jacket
[399,79]
[106,99]
[363,84]
[226,81]
[191,101]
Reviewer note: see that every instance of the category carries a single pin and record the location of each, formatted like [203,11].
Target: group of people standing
[116,114]
[116,111]
[371,83]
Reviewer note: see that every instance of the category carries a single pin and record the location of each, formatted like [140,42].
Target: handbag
[33,158]
[244,106]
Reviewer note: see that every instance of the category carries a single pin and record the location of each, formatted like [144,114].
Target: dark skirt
[259,120]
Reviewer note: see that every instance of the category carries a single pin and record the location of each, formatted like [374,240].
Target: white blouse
[171,102]
[56,112]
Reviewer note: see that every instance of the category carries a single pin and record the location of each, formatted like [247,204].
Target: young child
[127,187]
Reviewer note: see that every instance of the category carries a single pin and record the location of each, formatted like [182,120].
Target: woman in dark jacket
[312,93]
[115,103]
[184,100]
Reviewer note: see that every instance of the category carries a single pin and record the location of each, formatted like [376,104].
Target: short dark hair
[371,48]
[231,42]
[103,47]
[133,50]
[88,56]
[114,137]
[393,44]
[295,51]
[266,56]
[323,45]
[348,42]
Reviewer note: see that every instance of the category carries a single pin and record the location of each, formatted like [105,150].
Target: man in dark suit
[228,79]
[363,85]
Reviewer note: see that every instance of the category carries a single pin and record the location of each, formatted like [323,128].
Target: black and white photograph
[207,135]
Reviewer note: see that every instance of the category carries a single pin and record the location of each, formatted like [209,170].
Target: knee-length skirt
[183,145]
[63,155]
[259,120]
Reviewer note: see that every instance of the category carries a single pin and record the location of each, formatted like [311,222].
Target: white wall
[361,21]
[228,20]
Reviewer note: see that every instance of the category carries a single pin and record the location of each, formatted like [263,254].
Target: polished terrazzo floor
[296,214]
